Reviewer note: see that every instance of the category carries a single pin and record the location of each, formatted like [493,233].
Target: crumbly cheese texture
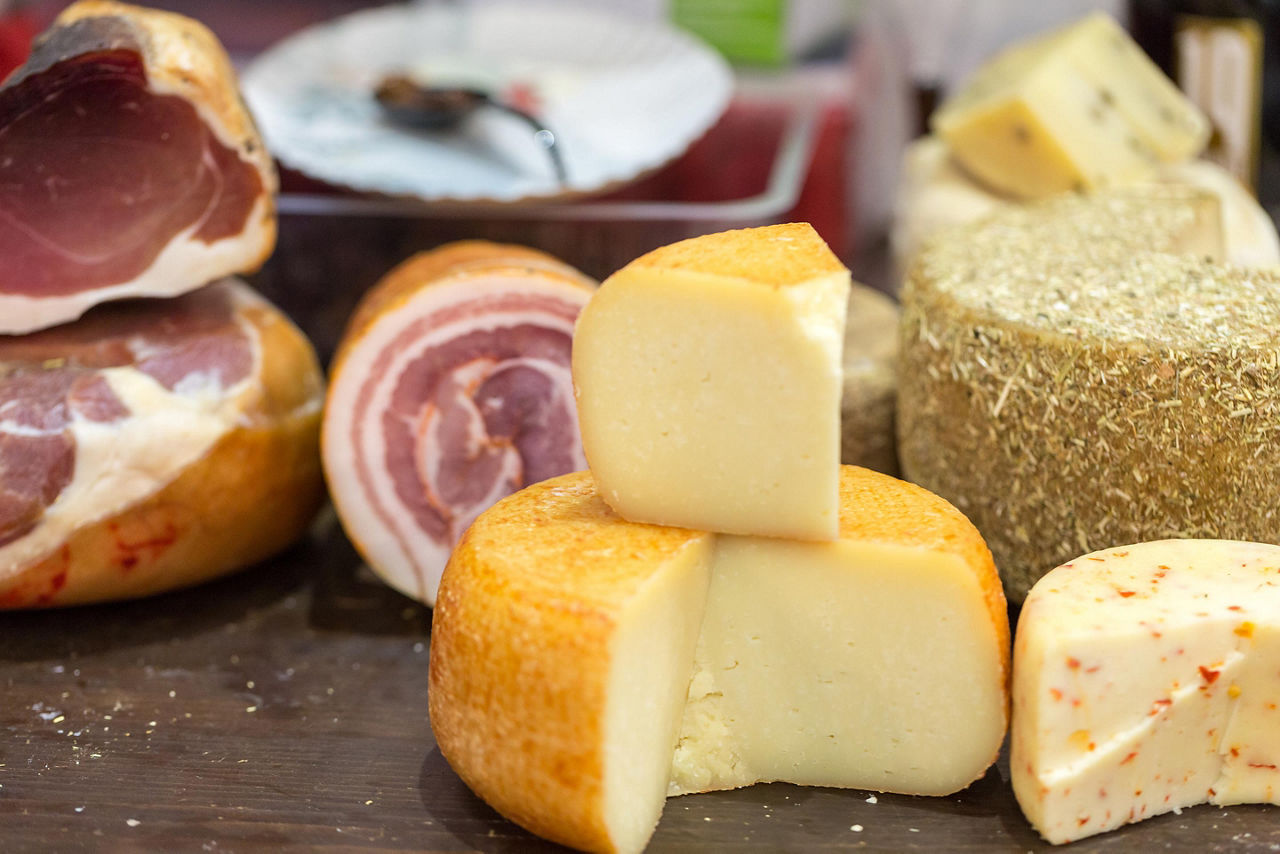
[637,661]
[803,672]
[1079,108]
[708,382]
[1076,373]
[1145,680]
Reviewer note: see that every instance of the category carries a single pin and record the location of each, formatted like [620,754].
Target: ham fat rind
[129,166]
[451,390]
[140,444]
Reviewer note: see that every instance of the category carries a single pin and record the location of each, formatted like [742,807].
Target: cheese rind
[1145,680]
[1048,349]
[570,648]
[1078,108]
[708,380]
[561,644]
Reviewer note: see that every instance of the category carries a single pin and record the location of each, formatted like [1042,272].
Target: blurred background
[825,95]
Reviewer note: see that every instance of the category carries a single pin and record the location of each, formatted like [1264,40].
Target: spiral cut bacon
[129,166]
[142,446]
[450,390]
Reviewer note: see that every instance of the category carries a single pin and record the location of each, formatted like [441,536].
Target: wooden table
[285,709]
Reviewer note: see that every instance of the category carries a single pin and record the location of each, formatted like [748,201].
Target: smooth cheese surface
[1146,679]
[708,382]
[812,665]
[875,662]
[631,661]
[1076,373]
[1079,108]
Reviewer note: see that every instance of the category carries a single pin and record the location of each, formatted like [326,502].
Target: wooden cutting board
[286,709]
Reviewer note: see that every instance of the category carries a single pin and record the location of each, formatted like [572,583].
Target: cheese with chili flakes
[1145,679]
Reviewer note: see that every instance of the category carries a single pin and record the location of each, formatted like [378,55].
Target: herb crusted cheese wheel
[708,376]
[1068,385]
[584,667]
[1145,680]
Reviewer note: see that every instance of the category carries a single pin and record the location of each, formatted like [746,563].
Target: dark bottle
[1225,54]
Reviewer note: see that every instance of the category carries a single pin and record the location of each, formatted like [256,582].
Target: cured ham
[450,390]
[129,166]
[140,445]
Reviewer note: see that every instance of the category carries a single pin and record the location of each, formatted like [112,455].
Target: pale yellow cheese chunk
[1078,108]
[859,664]
[584,667]
[1146,679]
[708,382]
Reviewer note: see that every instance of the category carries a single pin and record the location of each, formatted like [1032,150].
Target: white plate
[623,97]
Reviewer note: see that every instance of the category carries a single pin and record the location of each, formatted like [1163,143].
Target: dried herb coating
[1071,382]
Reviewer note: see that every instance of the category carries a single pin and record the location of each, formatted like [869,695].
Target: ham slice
[140,444]
[450,390]
[129,166]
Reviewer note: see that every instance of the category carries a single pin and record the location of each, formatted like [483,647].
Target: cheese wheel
[934,193]
[1069,382]
[1146,679]
[450,390]
[131,166]
[870,370]
[152,445]
[708,382]
[583,667]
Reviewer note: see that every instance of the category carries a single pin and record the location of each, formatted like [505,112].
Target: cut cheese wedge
[584,667]
[1079,108]
[708,376]
[1145,680]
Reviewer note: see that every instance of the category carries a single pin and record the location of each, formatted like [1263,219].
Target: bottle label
[1219,62]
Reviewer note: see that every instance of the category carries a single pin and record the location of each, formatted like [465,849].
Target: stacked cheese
[1144,681]
[1078,109]
[1076,374]
[586,662]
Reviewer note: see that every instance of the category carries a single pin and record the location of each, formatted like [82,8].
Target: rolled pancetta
[450,390]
